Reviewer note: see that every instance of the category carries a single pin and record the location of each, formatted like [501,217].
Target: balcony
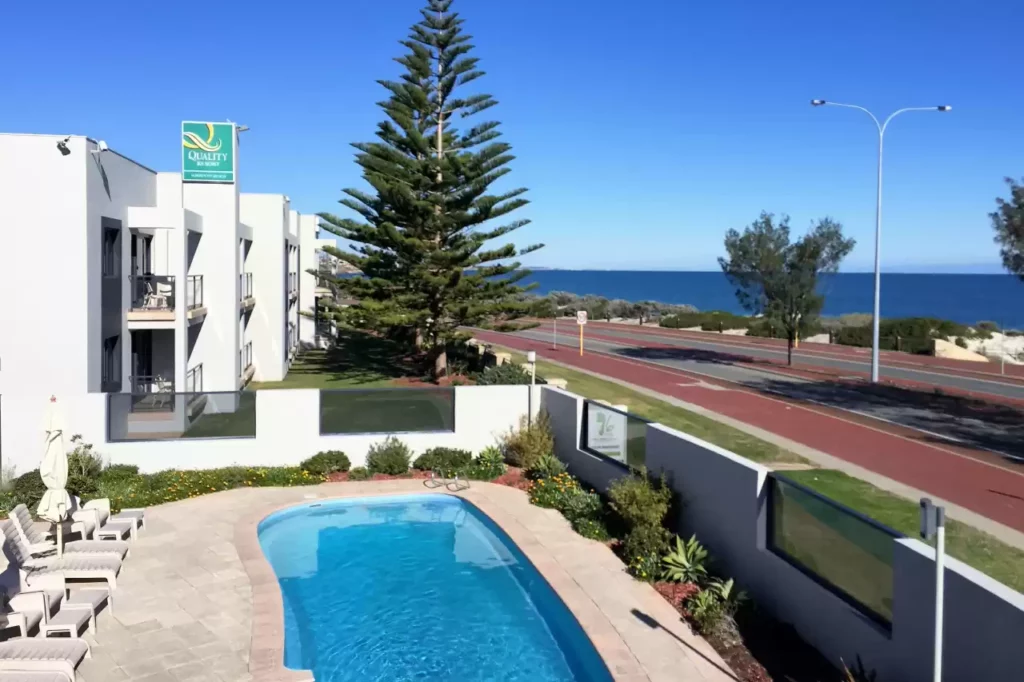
[152,298]
[245,368]
[246,300]
[150,393]
[194,298]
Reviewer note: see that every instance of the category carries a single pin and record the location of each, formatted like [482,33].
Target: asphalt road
[733,352]
[992,427]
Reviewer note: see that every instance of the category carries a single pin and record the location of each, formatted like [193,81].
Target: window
[111,368]
[111,252]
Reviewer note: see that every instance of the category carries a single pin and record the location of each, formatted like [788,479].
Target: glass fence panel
[166,415]
[402,410]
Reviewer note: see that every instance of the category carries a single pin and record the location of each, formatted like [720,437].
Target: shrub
[119,472]
[644,542]
[84,469]
[638,501]
[167,486]
[326,462]
[28,489]
[447,460]
[644,567]
[987,326]
[548,466]
[359,474]
[685,564]
[390,456]
[505,375]
[713,608]
[487,466]
[523,448]
[582,508]
[592,529]
[960,342]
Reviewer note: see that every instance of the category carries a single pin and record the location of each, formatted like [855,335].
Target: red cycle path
[994,491]
[991,370]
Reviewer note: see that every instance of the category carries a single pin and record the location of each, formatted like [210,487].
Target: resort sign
[207,152]
[606,432]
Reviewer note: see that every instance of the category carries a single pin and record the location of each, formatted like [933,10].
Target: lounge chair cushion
[23,653]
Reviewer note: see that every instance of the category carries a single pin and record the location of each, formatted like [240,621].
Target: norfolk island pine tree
[421,238]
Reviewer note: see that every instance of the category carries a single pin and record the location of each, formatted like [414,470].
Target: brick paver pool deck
[196,601]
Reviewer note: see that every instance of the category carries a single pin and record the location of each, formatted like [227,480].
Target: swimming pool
[417,587]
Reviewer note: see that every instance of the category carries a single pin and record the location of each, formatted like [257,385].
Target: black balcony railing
[152,292]
[194,379]
[244,286]
[194,291]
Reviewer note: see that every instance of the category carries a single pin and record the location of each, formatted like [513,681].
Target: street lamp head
[817,102]
[944,107]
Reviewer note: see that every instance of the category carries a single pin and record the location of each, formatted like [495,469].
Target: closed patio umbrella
[54,471]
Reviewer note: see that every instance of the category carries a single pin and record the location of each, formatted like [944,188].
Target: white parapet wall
[724,498]
[286,425]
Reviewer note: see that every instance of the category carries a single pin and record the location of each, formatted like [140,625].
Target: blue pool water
[420,587]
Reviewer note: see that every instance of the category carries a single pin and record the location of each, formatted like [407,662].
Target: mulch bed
[766,651]
[513,478]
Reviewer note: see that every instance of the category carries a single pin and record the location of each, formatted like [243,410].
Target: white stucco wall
[287,429]
[308,231]
[267,215]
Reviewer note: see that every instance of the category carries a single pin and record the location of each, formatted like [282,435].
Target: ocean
[967,299]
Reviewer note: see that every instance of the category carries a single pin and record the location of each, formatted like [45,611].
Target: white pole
[940,575]
[878,216]
[878,274]
[554,331]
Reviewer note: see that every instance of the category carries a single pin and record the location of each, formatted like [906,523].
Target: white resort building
[158,284]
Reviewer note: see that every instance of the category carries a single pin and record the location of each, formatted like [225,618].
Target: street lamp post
[878,215]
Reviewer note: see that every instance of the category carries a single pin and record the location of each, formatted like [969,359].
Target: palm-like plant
[686,563]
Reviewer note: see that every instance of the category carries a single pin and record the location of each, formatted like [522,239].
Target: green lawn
[659,411]
[972,546]
[357,361]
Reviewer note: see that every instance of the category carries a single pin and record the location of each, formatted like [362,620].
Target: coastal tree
[1008,223]
[423,232]
[777,277]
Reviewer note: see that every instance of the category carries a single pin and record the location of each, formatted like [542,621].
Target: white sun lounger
[92,567]
[96,517]
[39,545]
[36,655]
[26,676]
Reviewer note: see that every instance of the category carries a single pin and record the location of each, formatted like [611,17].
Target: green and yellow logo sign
[207,152]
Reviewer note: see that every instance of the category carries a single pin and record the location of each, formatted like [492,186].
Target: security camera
[62,146]
[101,146]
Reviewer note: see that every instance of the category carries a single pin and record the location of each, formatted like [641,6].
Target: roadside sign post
[554,332]
[581,321]
[933,524]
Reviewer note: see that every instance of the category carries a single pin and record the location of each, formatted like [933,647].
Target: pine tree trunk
[441,364]
[789,349]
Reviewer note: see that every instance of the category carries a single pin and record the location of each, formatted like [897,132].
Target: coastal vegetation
[1008,223]
[778,278]
[422,233]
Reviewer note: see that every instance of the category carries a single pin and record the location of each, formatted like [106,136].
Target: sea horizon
[967,298]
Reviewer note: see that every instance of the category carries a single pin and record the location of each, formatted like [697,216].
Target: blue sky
[644,130]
